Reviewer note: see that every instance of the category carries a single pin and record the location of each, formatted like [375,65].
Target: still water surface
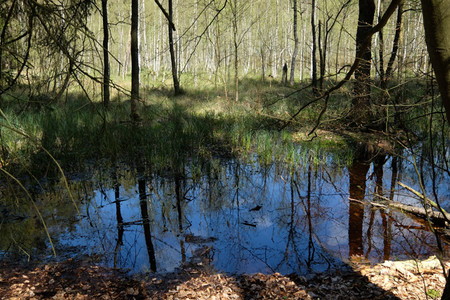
[242,217]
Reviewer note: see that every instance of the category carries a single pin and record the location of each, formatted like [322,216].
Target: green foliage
[433,294]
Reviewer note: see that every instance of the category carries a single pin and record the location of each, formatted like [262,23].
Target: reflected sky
[245,218]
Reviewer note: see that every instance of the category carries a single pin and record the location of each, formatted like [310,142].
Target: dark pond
[237,217]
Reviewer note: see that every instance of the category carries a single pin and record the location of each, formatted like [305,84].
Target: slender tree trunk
[302,53]
[361,102]
[134,59]
[144,35]
[381,54]
[314,47]
[321,45]
[106,67]
[235,44]
[294,54]
[263,63]
[390,66]
[176,83]
[436,17]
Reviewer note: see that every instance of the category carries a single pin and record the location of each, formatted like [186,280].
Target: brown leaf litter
[75,280]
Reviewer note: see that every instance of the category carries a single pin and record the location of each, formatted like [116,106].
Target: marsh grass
[201,123]
[188,132]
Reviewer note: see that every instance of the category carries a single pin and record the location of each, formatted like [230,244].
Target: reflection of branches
[120,225]
[307,210]
[291,232]
[146,224]
[257,257]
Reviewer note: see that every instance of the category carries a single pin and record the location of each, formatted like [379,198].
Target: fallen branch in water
[435,216]
[424,198]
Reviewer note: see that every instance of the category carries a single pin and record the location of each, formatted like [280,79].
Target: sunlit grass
[200,123]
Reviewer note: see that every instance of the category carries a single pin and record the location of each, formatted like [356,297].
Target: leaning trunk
[395,45]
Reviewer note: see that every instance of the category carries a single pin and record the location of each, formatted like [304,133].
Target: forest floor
[77,280]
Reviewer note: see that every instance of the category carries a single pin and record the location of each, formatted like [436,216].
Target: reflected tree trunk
[179,197]
[386,217]
[357,189]
[119,218]
[311,248]
[378,193]
[146,224]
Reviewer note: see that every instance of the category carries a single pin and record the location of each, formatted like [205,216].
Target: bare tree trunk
[436,17]
[398,26]
[360,113]
[106,67]
[321,44]
[294,54]
[263,63]
[176,83]
[235,44]
[134,59]
[381,54]
[314,47]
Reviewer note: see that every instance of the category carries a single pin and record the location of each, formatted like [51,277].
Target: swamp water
[235,217]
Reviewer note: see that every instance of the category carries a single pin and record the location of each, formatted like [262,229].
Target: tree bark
[106,66]
[436,19]
[134,59]
[361,102]
[314,47]
[321,56]
[236,45]
[386,75]
[294,54]
[176,83]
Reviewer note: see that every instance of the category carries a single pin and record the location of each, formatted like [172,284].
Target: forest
[167,138]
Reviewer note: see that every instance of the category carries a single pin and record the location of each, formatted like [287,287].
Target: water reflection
[120,227]
[357,189]
[241,217]
[146,224]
